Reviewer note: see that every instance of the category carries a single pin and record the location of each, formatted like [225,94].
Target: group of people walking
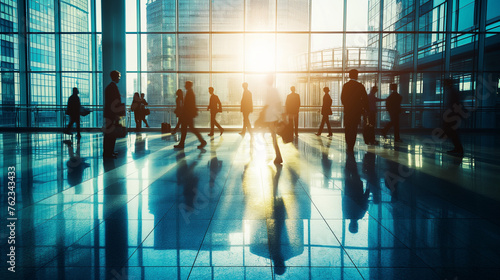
[357,104]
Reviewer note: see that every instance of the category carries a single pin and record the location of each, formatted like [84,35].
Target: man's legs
[195,131]
[77,120]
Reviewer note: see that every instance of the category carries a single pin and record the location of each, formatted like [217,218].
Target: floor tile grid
[101,190]
[301,183]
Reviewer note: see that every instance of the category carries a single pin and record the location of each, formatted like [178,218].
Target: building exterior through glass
[51,46]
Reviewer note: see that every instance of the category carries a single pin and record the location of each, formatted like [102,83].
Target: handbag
[147,111]
[285,130]
[84,111]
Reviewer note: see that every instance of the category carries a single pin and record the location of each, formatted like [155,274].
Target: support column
[113,43]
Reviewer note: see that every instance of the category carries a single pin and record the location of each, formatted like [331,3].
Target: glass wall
[56,45]
[308,44]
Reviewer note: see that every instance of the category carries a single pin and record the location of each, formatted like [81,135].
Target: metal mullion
[139,43]
[210,41]
[177,42]
[380,51]
[58,58]
[309,52]
[24,75]
[93,36]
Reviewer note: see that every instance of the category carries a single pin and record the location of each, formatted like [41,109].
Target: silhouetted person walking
[453,116]
[179,102]
[372,115]
[112,113]
[144,103]
[214,106]
[354,99]
[292,105]
[326,111]
[136,108]
[393,106]
[189,112]
[272,112]
[246,109]
[73,111]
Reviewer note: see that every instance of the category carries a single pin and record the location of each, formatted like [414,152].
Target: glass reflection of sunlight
[259,54]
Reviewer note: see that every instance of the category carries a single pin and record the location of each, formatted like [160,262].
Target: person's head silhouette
[326,90]
[178,93]
[75,90]
[292,89]
[115,76]
[188,85]
[353,74]
[211,90]
[245,85]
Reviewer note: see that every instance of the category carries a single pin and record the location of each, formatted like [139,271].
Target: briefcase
[166,128]
[285,130]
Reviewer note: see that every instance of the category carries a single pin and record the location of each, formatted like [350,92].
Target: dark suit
[73,112]
[246,109]
[326,111]
[189,112]
[111,113]
[355,101]
[393,106]
[292,105]
[214,106]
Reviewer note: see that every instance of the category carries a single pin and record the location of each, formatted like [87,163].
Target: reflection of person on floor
[179,102]
[187,179]
[326,111]
[355,200]
[372,181]
[246,109]
[278,234]
[76,165]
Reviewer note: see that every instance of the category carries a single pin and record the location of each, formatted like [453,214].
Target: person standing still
[355,101]
[393,106]
[73,111]
[144,103]
[112,101]
[189,112]
[326,111]
[136,108]
[292,105]
[246,109]
[214,106]
[372,114]
[453,116]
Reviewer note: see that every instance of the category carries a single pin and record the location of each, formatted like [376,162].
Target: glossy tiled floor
[226,212]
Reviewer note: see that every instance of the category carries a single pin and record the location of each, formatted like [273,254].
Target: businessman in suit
[355,101]
[189,112]
[292,105]
[112,112]
[214,106]
[246,109]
